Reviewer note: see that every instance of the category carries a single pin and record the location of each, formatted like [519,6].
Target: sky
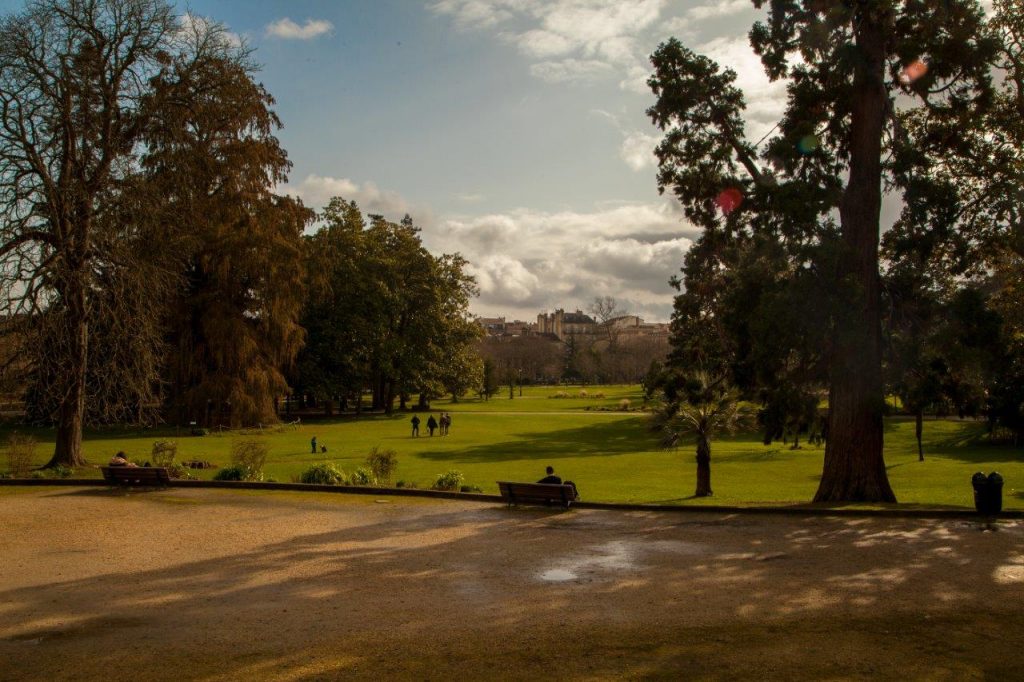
[512,131]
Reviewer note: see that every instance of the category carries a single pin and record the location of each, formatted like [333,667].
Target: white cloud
[765,100]
[505,279]
[287,29]
[637,150]
[718,9]
[527,261]
[470,14]
[574,40]
[316,190]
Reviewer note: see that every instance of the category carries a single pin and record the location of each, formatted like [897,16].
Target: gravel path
[224,585]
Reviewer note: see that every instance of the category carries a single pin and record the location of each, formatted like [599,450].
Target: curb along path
[791,510]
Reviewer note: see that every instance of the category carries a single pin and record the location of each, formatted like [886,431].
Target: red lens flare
[729,200]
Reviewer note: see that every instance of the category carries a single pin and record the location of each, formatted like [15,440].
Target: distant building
[560,325]
[493,326]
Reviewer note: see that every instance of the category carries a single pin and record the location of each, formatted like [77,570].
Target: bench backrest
[135,475]
[534,493]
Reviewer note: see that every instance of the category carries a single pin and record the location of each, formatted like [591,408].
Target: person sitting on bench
[121,460]
[551,479]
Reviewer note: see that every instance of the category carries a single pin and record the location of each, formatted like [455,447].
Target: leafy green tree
[383,312]
[339,313]
[850,67]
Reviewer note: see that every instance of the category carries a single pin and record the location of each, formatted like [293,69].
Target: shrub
[323,473]
[471,489]
[382,463]
[164,452]
[231,473]
[362,476]
[560,394]
[196,431]
[599,396]
[407,484]
[20,452]
[61,471]
[624,404]
[450,480]
[179,471]
[250,454]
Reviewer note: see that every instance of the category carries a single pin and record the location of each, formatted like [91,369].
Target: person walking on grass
[415,426]
[431,424]
[312,445]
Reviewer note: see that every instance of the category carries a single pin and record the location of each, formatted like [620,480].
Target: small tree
[383,464]
[709,409]
[489,380]
[20,452]
[164,452]
[249,455]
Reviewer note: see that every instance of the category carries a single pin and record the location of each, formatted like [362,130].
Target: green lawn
[610,455]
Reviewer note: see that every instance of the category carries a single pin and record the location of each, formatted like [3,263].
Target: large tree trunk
[703,468]
[854,470]
[389,397]
[68,448]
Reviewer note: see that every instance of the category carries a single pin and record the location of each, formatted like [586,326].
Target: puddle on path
[557,575]
[615,557]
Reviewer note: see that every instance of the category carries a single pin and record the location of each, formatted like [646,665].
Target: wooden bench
[537,493]
[136,476]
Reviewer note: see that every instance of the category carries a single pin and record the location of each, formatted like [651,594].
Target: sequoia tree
[851,67]
[213,155]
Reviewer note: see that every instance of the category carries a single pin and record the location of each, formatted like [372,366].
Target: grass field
[610,455]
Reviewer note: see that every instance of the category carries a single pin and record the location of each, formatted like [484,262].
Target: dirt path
[223,585]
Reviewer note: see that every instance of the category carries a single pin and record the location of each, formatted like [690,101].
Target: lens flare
[912,71]
[729,200]
[807,144]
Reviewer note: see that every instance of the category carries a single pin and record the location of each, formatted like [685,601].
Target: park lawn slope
[612,457]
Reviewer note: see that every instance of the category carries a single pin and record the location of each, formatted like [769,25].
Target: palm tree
[712,410]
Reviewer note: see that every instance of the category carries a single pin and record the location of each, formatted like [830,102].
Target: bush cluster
[362,476]
[324,473]
[450,480]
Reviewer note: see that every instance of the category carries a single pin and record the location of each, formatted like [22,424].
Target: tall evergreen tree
[850,66]
[234,323]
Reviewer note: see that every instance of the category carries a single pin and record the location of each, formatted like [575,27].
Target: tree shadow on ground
[482,591]
[597,439]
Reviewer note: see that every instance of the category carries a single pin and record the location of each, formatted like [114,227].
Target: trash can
[995,493]
[988,493]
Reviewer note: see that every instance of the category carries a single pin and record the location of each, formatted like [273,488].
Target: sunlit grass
[611,456]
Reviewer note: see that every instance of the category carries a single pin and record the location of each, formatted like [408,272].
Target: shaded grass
[611,456]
